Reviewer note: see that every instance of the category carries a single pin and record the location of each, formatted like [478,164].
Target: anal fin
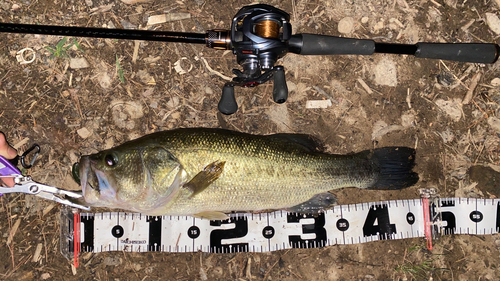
[211,215]
[316,204]
[205,178]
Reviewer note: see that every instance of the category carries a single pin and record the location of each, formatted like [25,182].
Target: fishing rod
[260,35]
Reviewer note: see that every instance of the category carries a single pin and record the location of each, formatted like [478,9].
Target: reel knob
[280,90]
[227,103]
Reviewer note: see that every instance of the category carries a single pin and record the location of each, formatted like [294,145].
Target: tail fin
[396,164]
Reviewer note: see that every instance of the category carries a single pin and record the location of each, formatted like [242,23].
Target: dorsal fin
[300,141]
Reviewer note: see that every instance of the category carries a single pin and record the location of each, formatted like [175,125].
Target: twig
[408,98]
[21,143]
[479,154]
[498,3]
[460,81]
[137,43]
[470,92]
[211,70]
[249,269]
[269,271]
[13,231]
[365,86]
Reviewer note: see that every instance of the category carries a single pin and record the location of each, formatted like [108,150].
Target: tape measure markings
[345,224]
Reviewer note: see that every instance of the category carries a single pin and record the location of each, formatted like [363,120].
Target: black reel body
[259,37]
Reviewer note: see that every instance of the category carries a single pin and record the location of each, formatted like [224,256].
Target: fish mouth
[96,186]
[86,176]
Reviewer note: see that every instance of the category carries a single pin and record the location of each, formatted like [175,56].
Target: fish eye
[110,160]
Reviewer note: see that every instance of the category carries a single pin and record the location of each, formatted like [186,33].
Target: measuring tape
[428,217]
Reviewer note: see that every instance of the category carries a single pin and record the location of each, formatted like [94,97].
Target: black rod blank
[148,35]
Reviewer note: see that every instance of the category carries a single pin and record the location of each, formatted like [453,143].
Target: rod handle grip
[313,44]
[464,52]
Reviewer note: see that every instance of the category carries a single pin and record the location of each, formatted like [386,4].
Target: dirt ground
[379,100]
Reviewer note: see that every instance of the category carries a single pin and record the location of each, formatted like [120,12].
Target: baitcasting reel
[260,35]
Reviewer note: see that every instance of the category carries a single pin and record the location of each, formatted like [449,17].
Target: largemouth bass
[211,172]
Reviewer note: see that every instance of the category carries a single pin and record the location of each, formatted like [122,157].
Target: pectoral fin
[211,215]
[205,178]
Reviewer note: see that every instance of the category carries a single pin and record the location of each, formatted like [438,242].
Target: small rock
[494,123]
[279,114]
[125,112]
[72,155]
[145,77]
[451,3]
[209,91]
[69,183]
[173,102]
[104,80]
[137,266]
[179,68]
[89,3]
[111,24]
[346,25]
[109,143]
[485,180]
[203,274]
[148,92]
[84,133]
[45,276]
[218,271]
[493,22]
[378,26]
[15,7]
[495,82]
[408,119]
[131,2]
[291,86]
[452,108]
[364,20]
[78,63]
[447,135]
[128,25]
[385,73]
[446,78]
[380,129]
[318,103]
[175,115]
[114,261]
